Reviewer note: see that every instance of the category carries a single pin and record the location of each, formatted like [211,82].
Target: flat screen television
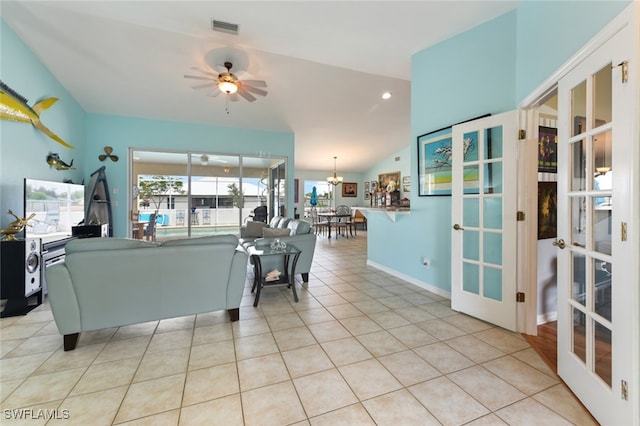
[57,206]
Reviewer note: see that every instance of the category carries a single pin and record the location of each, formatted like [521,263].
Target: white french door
[596,306]
[484,207]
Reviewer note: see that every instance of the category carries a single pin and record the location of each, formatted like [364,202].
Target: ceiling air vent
[224,27]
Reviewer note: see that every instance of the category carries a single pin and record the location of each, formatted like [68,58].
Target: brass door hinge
[522,134]
[520,216]
[624,390]
[623,231]
[520,297]
[624,68]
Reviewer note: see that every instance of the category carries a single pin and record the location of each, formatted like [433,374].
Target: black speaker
[20,271]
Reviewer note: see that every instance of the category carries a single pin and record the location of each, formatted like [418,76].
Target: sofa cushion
[299,227]
[273,223]
[277,232]
[92,244]
[284,222]
[210,239]
[254,229]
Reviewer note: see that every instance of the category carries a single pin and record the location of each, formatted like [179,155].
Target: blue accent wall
[488,69]
[23,148]
[549,33]
[466,76]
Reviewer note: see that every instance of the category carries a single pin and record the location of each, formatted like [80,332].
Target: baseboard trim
[411,280]
[547,317]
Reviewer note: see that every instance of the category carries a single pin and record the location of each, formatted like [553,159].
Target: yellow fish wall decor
[14,107]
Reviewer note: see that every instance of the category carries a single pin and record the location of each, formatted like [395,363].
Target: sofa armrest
[237,277]
[63,300]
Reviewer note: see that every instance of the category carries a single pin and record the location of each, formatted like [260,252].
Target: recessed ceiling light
[386,95]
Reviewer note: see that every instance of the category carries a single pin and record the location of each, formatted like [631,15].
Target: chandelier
[335,179]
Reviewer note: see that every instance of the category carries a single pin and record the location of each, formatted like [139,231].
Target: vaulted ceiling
[326,63]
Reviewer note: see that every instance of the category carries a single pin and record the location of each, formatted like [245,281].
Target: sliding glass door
[182,194]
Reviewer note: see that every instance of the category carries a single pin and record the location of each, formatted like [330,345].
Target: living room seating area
[360,347]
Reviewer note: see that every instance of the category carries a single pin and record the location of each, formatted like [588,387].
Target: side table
[286,277]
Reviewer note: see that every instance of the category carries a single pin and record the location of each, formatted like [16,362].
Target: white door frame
[630,16]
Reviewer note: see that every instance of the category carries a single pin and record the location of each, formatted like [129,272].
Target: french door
[596,288]
[484,207]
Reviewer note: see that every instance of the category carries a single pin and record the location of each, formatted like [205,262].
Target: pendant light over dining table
[335,179]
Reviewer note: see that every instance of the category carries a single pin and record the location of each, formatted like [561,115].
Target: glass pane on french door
[590,195]
[482,213]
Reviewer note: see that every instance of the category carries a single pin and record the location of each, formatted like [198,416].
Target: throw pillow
[277,232]
[254,229]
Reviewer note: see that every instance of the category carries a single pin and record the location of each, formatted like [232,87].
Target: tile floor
[360,348]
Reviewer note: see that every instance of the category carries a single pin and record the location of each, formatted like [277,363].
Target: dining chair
[343,221]
[320,226]
[150,230]
[358,219]
[137,227]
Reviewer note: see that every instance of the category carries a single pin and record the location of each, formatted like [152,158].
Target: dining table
[329,216]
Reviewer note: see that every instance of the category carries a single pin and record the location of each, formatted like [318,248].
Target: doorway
[597,349]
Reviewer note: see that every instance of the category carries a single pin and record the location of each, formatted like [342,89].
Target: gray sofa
[255,229]
[297,232]
[110,282]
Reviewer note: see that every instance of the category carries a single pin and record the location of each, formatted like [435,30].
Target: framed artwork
[406,188]
[374,186]
[367,191]
[296,190]
[434,160]
[389,181]
[547,213]
[406,180]
[547,149]
[349,189]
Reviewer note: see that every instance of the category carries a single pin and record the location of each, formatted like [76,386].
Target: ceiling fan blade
[248,96]
[255,83]
[197,77]
[255,90]
[211,73]
[214,92]
[234,97]
[102,157]
[202,86]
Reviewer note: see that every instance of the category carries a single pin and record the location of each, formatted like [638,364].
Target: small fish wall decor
[14,107]
[54,160]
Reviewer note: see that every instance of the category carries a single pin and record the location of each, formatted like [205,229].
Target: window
[324,192]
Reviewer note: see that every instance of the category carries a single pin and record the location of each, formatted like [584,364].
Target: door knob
[458,227]
[559,243]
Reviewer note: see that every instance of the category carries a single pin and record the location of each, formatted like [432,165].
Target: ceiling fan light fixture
[228,87]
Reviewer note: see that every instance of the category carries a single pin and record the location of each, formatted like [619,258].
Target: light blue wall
[487,69]
[121,133]
[466,76]
[550,32]
[23,148]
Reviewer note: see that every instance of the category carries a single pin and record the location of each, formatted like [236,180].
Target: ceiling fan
[228,83]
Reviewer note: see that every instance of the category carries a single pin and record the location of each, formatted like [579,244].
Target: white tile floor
[361,347]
